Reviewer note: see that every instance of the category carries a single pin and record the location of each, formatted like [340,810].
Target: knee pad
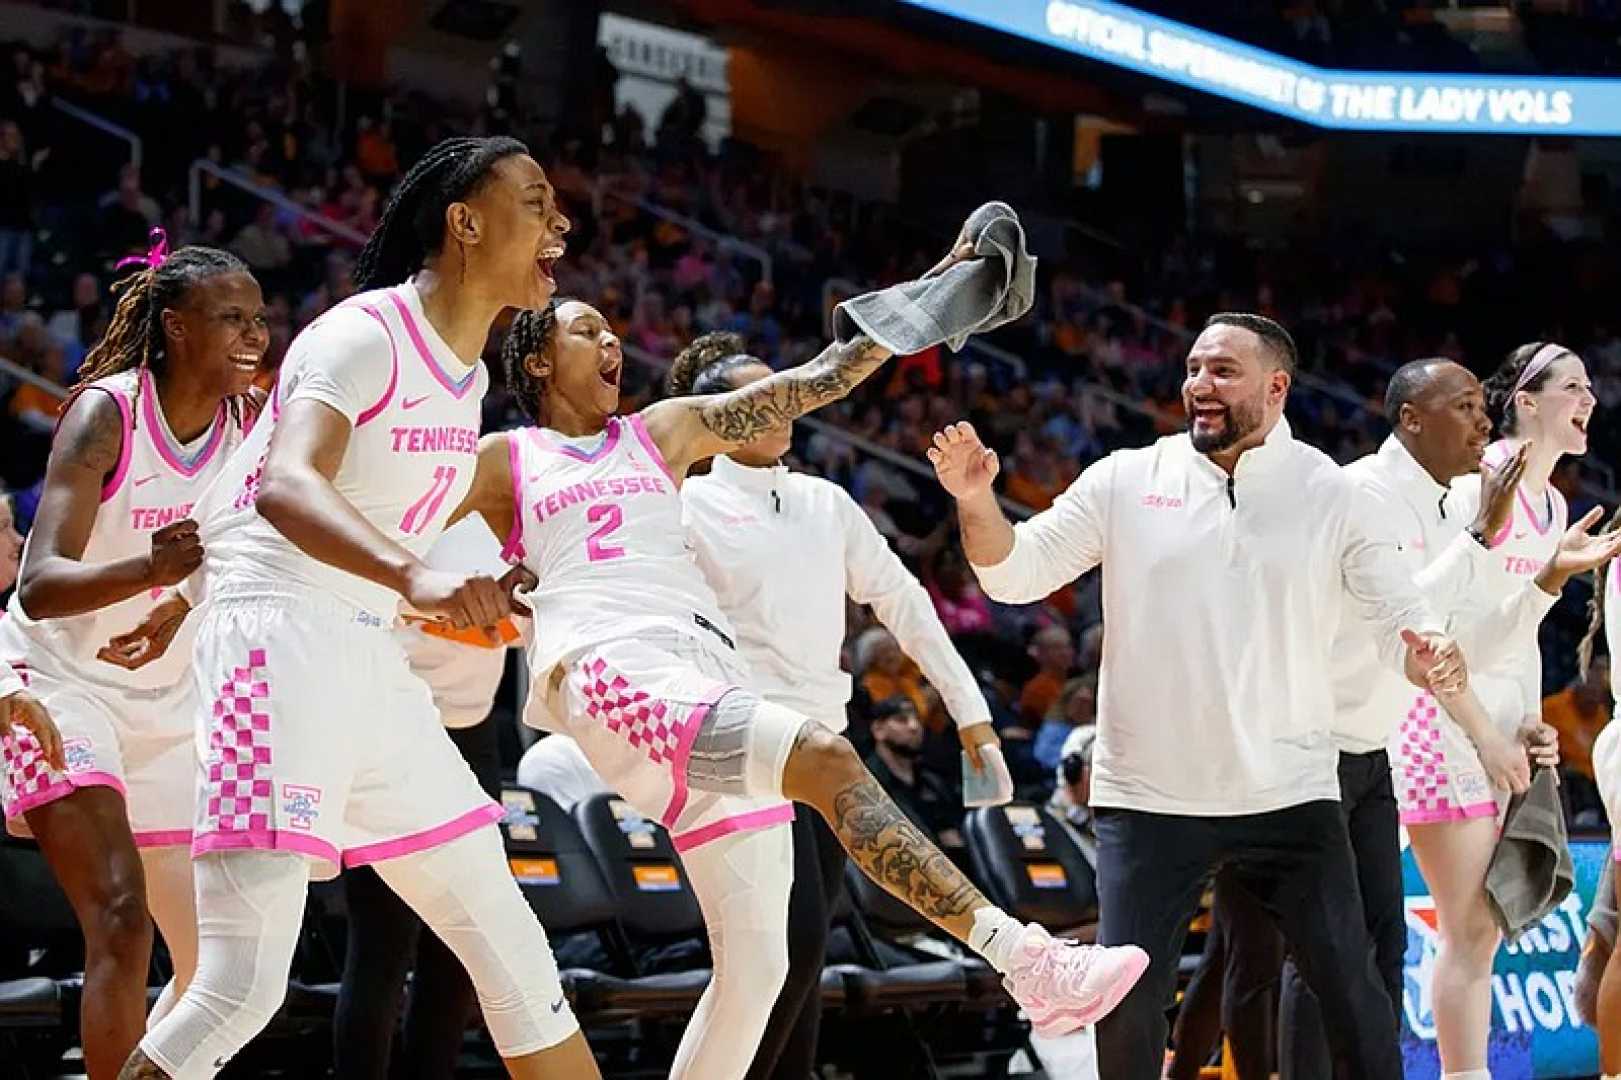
[743,745]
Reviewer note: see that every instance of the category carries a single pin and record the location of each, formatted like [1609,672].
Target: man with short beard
[1232,552]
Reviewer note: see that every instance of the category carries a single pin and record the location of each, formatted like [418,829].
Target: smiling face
[581,368]
[1557,412]
[1233,392]
[511,232]
[11,544]
[1446,424]
[219,331]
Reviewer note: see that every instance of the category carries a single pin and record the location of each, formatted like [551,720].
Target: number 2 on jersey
[419,513]
[611,517]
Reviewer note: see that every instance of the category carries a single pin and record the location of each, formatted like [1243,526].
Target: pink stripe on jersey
[163,838]
[394,368]
[544,440]
[639,426]
[458,389]
[1541,527]
[513,548]
[678,761]
[158,432]
[421,841]
[110,488]
[754,819]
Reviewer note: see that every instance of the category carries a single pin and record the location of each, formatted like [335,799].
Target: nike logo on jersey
[557,1006]
[146,479]
[411,403]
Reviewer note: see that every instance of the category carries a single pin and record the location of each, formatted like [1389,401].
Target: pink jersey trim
[639,426]
[1541,527]
[1451,813]
[158,432]
[678,759]
[264,840]
[513,548]
[753,820]
[551,445]
[163,838]
[412,331]
[110,488]
[421,841]
[61,789]
[394,369]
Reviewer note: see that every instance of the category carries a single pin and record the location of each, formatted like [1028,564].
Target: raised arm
[691,429]
[84,458]
[1024,564]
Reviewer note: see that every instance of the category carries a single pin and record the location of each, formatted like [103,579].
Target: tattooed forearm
[743,414]
[895,854]
[141,1067]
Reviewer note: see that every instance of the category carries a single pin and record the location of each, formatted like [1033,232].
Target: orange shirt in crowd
[1577,727]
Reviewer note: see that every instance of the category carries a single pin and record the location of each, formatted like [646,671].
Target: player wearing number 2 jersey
[321,749]
[633,658]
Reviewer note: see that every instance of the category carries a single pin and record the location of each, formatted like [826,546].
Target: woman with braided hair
[746,518]
[324,750]
[161,404]
[633,656]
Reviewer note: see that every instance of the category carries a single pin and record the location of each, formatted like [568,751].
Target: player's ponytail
[706,366]
[529,335]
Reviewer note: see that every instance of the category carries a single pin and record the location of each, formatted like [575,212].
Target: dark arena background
[1389,179]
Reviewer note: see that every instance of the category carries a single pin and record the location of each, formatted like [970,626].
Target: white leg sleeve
[465,892]
[742,882]
[250,905]
[171,896]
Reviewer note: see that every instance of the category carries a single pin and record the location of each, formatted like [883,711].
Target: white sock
[1472,1074]
[993,936]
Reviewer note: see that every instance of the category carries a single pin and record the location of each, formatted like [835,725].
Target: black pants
[382,931]
[1234,989]
[1368,801]
[1297,863]
[788,1048]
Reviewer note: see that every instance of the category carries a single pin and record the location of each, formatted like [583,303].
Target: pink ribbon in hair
[155,255]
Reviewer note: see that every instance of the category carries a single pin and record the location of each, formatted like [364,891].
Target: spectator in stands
[1579,712]
[127,214]
[1071,800]
[11,542]
[80,323]
[1054,653]
[957,597]
[884,672]
[374,150]
[17,183]
[261,244]
[1076,707]
[897,737]
[13,307]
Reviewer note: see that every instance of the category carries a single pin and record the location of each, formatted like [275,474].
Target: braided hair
[530,333]
[707,365]
[1502,385]
[412,226]
[1595,606]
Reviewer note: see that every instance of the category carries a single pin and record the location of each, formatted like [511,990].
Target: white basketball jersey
[409,462]
[598,520]
[157,482]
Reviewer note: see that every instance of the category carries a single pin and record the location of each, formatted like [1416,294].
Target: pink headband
[1543,357]
[155,255]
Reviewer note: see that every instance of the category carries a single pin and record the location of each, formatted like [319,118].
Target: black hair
[412,226]
[1407,385]
[1501,385]
[530,333]
[708,364]
[1271,333]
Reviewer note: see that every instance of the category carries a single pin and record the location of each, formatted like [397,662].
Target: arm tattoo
[94,436]
[742,415]
[894,853]
[141,1067]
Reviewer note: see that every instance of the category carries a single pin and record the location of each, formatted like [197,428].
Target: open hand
[1435,662]
[1505,762]
[149,640]
[1497,490]
[23,710]
[965,466]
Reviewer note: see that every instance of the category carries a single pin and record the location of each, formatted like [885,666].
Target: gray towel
[969,298]
[1531,871]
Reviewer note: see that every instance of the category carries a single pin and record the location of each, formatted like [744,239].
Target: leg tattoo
[141,1067]
[894,853]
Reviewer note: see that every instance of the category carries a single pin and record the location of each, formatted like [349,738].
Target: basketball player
[1539,398]
[747,518]
[323,749]
[633,658]
[161,404]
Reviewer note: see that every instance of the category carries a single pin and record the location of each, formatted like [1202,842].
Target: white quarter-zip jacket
[782,550]
[1427,522]
[1221,598]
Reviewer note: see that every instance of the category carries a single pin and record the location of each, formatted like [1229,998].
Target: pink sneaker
[1062,986]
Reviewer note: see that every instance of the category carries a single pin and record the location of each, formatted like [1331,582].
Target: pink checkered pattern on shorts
[239,786]
[644,722]
[27,773]
[1422,757]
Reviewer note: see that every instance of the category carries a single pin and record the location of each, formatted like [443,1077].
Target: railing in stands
[16,371]
[723,241]
[102,124]
[259,191]
[833,431]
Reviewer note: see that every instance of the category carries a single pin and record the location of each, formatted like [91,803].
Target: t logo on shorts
[301,805]
[79,755]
